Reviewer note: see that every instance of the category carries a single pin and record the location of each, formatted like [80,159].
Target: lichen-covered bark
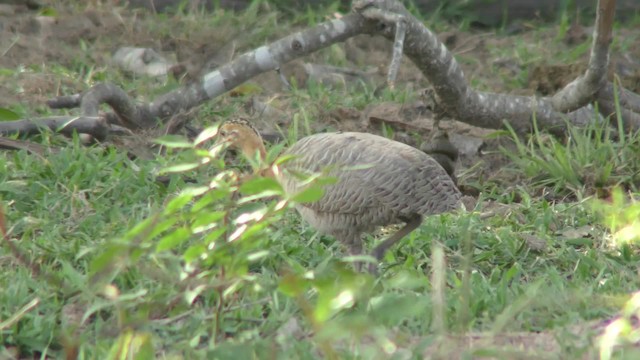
[391,19]
[253,63]
[483,109]
[583,90]
[64,124]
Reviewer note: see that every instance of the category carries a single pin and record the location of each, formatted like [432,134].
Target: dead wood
[94,125]
[582,91]
[411,38]
[126,113]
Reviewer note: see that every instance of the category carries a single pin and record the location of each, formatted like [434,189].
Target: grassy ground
[101,260]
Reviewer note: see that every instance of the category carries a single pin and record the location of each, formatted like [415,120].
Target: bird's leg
[378,251]
[353,241]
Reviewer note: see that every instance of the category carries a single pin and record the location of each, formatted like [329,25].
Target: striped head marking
[242,135]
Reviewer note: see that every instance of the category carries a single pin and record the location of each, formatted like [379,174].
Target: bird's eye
[223,133]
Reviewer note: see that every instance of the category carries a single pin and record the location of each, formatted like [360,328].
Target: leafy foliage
[589,161]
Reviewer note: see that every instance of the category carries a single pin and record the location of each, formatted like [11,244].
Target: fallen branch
[392,20]
[482,109]
[583,90]
[94,125]
[126,113]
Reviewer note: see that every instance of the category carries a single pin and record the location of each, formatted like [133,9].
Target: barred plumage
[380,182]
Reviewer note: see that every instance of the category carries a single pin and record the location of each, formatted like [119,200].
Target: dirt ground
[37,48]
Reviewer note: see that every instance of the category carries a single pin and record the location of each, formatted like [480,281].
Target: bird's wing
[408,181]
[374,175]
[335,155]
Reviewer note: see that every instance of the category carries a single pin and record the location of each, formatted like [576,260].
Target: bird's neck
[254,148]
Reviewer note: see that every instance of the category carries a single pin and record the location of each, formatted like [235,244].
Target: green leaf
[262,195]
[194,252]
[140,227]
[178,202]
[205,220]
[191,295]
[173,239]
[258,185]
[132,345]
[292,285]
[209,198]
[8,115]
[214,235]
[174,141]
[310,194]
[13,319]
[162,226]
[7,72]
[206,134]
[180,168]
[257,255]
[109,258]
[285,158]
[48,11]
[254,229]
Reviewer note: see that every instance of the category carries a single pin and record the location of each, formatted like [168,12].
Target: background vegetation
[100,261]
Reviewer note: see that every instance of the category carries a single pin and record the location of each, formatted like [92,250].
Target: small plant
[622,334]
[589,161]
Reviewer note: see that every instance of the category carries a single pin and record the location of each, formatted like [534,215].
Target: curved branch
[583,90]
[263,59]
[90,122]
[627,101]
[67,125]
[388,17]
[484,109]
[129,114]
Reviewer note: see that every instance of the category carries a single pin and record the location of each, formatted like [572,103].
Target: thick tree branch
[398,41]
[481,109]
[90,122]
[628,99]
[67,125]
[485,109]
[265,58]
[583,90]
[130,115]
[628,105]
[213,84]
[391,19]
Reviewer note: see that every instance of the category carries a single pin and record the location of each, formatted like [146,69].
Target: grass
[589,161]
[101,261]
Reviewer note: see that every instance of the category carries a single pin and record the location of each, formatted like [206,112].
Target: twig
[283,79]
[365,8]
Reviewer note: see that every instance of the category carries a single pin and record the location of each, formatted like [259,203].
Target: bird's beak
[222,140]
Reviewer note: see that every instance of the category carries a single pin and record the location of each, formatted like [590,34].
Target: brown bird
[379,182]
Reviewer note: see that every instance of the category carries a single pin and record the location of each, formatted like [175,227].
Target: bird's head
[240,134]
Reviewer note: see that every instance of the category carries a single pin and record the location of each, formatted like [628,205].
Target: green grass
[74,216]
[589,161]
[97,254]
